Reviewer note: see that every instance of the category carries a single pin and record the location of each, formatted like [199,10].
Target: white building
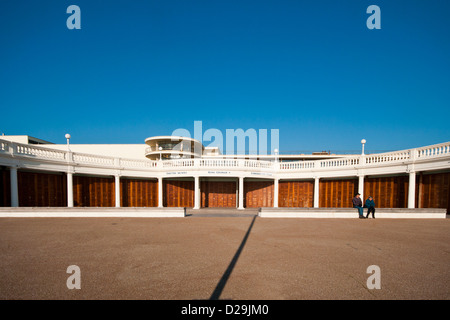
[181,172]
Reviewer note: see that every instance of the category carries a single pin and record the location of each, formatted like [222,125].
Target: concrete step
[96,212]
[222,212]
[397,213]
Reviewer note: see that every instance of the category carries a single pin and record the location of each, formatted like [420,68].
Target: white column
[361,186]
[14,187]
[196,192]
[160,192]
[69,189]
[117,185]
[316,192]
[241,193]
[275,193]
[412,190]
[237,193]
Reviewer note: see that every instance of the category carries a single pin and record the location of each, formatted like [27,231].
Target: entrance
[218,194]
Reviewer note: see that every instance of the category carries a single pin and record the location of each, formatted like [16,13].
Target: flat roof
[22,137]
[171,138]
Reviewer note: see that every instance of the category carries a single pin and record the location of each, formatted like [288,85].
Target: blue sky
[311,69]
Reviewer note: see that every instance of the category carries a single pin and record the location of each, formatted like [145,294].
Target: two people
[370,204]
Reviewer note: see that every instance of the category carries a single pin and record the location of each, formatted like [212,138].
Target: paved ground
[189,258]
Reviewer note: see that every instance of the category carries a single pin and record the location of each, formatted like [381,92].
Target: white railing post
[362,161]
[275,166]
[14,187]
[12,148]
[69,156]
[241,164]
[317,164]
[413,154]
[197,163]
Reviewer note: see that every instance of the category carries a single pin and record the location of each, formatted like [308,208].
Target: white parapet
[393,213]
[78,212]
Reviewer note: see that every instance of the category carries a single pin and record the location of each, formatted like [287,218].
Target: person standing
[370,205]
[357,203]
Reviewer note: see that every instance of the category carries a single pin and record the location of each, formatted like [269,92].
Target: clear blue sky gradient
[311,69]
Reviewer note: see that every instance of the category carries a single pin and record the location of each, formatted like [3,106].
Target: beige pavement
[185,258]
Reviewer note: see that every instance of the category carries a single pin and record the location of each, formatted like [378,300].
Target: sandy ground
[186,258]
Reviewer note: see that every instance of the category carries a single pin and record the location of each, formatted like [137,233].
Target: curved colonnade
[33,175]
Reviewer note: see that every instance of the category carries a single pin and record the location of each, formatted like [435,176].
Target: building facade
[180,172]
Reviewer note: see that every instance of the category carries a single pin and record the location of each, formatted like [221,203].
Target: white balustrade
[337,163]
[40,152]
[144,164]
[259,164]
[177,163]
[93,159]
[221,163]
[4,146]
[297,165]
[434,150]
[389,157]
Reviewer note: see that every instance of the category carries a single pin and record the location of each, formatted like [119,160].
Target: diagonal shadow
[223,281]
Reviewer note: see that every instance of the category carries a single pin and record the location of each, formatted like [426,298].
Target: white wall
[131,151]
[18,139]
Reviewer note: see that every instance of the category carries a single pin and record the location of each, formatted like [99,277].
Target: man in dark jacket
[357,203]
[370,204]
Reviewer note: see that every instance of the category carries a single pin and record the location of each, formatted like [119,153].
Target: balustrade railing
[40,152]
[388,157]
[259,164]
[177,163]
[4,146]
[338,163]
[93,159]
[145,164]
[297,165]
[436,150]
[221,163]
